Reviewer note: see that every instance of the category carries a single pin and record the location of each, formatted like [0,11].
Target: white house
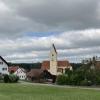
[3,66]
[20,72]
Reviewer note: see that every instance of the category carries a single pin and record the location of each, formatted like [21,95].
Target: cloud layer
[69,45]
[29,27]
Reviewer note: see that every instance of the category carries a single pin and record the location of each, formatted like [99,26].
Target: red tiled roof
[46,64]
[63,63]
[34,73]
[12,68]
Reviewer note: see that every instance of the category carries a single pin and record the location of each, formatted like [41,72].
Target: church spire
[53,60]
[54,48]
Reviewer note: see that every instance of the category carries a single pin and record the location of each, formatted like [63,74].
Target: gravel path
[64,86]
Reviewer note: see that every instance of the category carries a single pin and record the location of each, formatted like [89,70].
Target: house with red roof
[54,66]
[13,69]
[20,72]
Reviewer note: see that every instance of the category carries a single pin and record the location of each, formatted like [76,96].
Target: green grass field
[36,92]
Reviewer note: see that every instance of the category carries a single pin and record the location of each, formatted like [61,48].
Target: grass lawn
[36,92]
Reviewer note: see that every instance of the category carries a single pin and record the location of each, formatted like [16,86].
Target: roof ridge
[4,60]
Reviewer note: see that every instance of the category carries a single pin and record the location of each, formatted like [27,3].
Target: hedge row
[80,77]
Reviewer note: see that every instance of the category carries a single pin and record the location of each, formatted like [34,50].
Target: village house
[94,62]
[20,72]
[3,66]
[54,66]
[34,74]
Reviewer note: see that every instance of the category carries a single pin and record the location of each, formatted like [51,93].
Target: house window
[4,69]
[60,70]
[1,63]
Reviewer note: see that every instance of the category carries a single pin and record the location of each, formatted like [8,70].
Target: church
[54,66]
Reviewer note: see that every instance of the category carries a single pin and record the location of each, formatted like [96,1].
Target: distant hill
[27,66]
[76,65]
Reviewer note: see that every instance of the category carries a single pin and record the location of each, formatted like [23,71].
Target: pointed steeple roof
[54,47]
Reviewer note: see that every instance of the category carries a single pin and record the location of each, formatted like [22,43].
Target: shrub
[1,77]
[6,78]
[86,83]
[97,78]
[62,79]
[11,78]
[73,79]
[16,80]
[84,76]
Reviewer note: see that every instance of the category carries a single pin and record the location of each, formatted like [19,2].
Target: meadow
[38,92]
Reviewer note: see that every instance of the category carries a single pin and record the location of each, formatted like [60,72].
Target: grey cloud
[68,44]
[56,14]
[76,14]
[22,16]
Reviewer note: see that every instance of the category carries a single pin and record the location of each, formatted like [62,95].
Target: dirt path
[64,86]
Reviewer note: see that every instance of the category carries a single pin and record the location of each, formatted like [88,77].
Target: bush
[62,79]
[6,78]
[83,76]
[11,78]
[86,83]
[98,80]
[1,77]
[73,79]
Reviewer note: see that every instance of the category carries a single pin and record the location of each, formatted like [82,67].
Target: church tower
[53,60]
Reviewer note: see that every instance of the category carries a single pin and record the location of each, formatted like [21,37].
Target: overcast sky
[29,27]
